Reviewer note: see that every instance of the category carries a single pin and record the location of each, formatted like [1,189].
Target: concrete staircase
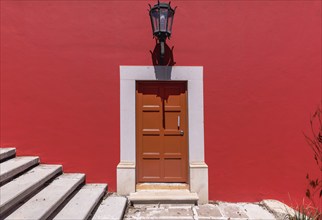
[29,190]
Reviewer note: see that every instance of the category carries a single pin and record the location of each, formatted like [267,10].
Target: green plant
[305,213]
[314,189]
[314,140]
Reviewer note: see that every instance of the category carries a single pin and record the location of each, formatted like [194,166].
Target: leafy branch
[315,143]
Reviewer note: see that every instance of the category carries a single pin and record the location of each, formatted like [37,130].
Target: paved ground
[220,211]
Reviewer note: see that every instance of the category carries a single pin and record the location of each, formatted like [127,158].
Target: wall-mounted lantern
[161,15]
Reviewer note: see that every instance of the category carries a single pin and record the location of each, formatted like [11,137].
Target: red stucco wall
[262,79]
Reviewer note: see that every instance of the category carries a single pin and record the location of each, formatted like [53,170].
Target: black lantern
[161,15]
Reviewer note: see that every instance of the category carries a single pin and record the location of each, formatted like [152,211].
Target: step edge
[99,187]
[29,190]
[68,193]
[11,152]
[19,169]
[55,204]
[104,204]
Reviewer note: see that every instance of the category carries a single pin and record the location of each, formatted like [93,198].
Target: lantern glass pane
[170,21]
[155,20]
[163,19]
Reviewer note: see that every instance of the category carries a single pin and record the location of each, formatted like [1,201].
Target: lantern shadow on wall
[166,60]
[162,70]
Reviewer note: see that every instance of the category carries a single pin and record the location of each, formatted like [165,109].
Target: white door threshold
[183,196]
[161,186]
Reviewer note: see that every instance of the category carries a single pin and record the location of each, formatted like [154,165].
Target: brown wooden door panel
[151,169]
[161,116]
[173,169]
[151,146]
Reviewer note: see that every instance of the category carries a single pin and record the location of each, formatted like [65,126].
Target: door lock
[181,132]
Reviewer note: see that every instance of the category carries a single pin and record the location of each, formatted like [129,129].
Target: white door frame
[198,170]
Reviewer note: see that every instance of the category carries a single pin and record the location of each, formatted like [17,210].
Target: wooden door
[161,123]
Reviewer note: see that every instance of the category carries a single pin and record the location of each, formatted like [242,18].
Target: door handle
[181,132]
[178,121]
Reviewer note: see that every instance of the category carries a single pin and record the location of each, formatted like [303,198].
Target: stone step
[43,204]
[111,208]
[19,188]
[163,197]
[83,203]
[163,211]
[279,209]
[15,166]
[6,153]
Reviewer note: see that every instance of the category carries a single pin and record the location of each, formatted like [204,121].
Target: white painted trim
[194,77]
